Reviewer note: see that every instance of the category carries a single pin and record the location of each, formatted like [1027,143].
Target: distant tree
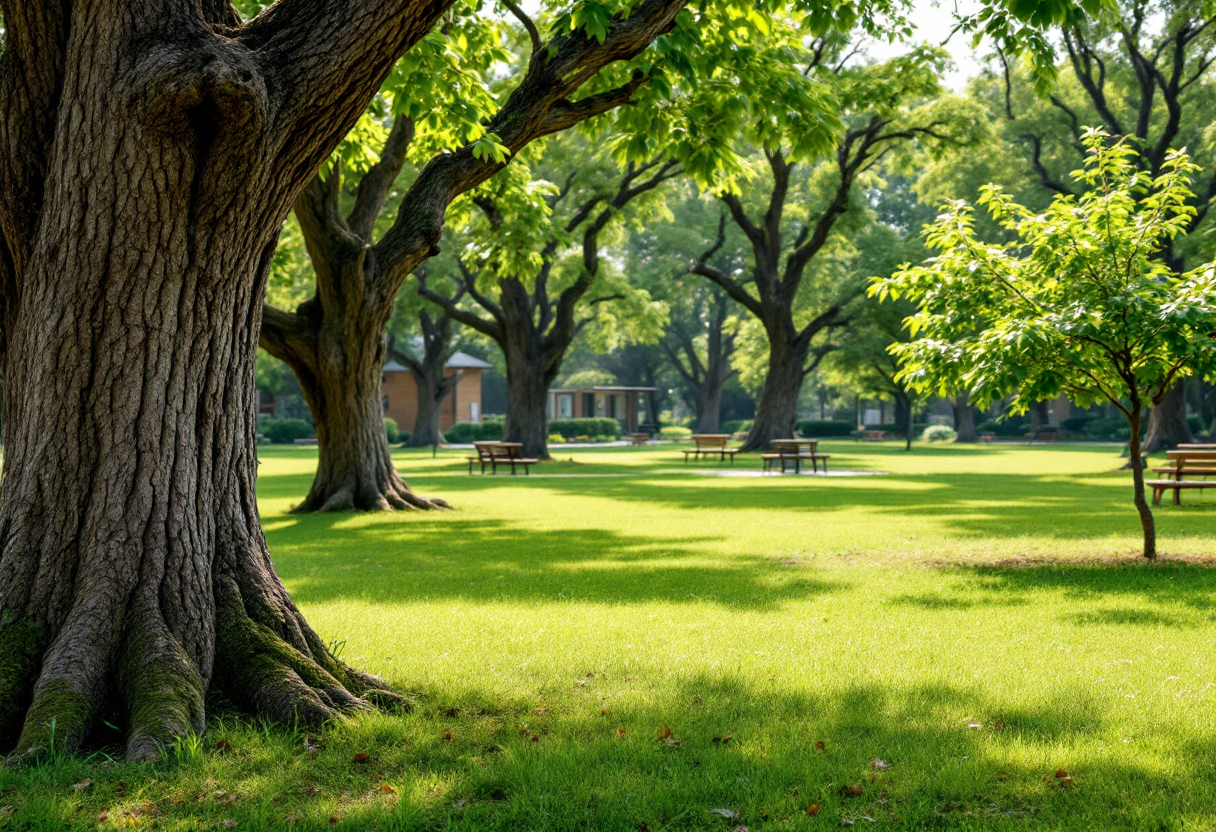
[1140,69]
[1080,300]
[534,303]
[885,108]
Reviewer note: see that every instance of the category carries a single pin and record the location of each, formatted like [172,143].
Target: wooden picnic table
[640,438]
[1184,464]
[787,451]
[492,453]
[710,444]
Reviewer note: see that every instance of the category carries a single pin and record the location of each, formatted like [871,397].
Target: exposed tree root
[386,493]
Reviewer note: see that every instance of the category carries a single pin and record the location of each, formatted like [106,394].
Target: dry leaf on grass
[361,758]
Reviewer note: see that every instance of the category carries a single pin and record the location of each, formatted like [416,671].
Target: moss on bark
[21,645]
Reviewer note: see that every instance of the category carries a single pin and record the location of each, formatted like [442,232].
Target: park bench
[790,452]
[1044,433]
[640,438]
[871,435]
[1184,463]
[710,444]
[987,437]
[493,454]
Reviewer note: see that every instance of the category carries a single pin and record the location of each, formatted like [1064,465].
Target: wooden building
[399,393]
[621,403]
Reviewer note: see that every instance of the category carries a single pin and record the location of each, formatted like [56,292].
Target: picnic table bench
[710,444]
[788,452]
[493,454]
[1183,463]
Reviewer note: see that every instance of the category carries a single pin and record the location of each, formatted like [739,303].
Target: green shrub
[285,431]
[491,431]
[556,439]
[675,433]
[939,433]
[403,436]
[737,425]
[1195,423]
[1115,430]
[825,427]
[1076,424]
[463,433]
[1003,427]
[390,429]
[586,427]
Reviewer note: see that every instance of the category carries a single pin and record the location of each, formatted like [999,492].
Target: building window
[565,405]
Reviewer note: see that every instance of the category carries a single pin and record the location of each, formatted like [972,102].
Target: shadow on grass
[482,560]
[481,760]
[1146,594]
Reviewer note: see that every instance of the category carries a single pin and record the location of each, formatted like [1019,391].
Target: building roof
[458,361]
[603,388]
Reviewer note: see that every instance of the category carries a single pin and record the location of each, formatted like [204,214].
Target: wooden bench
[1046,433]
[794,452]
[640,438]
[1184,463]
[871,435]
[494,454]
[708,445]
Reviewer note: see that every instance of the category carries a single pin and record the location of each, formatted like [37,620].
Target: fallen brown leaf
[813,809]
[447,736]
[620,732]
[387,789]
[853,789]
[332,821]
[222,745]
[361,758]
[1061,774]
[665,732]
[821,745]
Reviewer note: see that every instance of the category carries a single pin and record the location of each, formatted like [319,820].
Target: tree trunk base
[385,491]
[267,661]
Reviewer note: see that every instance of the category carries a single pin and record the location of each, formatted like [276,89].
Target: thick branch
[373,188]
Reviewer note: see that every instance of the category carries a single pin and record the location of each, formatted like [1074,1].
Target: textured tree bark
[1167,427]
[434,385]
[526,421]
[777,407]
[964,418]
[709,406]
[142,184]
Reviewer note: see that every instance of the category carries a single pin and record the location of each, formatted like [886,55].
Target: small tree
[1078,301]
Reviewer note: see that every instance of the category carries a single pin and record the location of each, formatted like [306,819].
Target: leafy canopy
[1077,301]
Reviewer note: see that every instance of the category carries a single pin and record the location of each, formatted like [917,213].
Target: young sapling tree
[1077,301]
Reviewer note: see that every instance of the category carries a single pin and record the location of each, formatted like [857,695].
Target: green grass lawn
[976,619]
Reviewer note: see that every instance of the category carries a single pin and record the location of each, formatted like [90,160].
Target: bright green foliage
[1076,301]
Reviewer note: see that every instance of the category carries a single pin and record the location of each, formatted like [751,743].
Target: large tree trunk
[134,575]
[1167,427]
[903,418]
[527,392]
[354,467]
[964,418]
[709,406]
[777,407]
[434,385]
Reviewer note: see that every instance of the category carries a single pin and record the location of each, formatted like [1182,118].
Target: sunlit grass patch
[976,619]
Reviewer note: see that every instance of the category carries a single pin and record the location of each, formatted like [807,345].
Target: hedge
[463,433]
[1003,427]
[570,428]
[285,431]
[390,429]
[737,425]
[825,427]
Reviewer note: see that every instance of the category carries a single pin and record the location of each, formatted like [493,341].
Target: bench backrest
[1180,459]
[711,440]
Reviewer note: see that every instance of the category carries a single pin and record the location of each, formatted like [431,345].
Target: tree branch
[373,188]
